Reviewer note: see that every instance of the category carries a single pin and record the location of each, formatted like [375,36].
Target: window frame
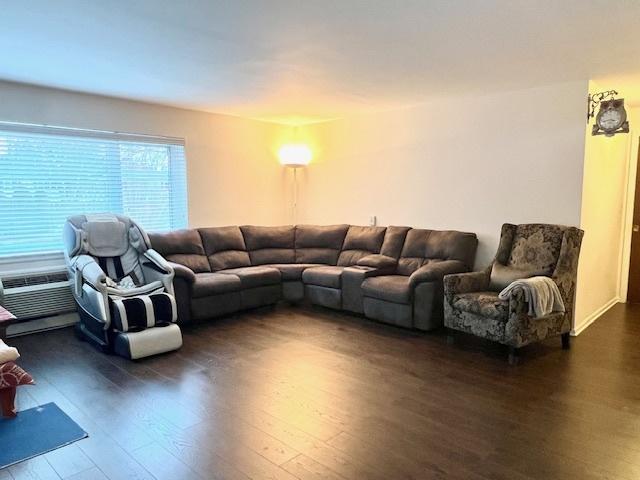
[36,261]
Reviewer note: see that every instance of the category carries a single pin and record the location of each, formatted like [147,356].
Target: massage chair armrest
[183,272]
[436,271]
[378,261]
[87,270]
[466,282]
[158,269]
[158,261]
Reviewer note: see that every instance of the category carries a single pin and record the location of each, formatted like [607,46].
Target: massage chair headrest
[103,235]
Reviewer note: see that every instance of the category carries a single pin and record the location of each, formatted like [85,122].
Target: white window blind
[48,174]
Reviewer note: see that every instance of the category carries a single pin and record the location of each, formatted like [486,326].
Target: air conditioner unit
[35,295]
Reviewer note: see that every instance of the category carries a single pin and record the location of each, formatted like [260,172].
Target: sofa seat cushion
[258,276]
[207,284]
[392,288]
[486,304]
[325,276]
[292,271]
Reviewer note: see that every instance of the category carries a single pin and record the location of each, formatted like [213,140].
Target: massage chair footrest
[145,343]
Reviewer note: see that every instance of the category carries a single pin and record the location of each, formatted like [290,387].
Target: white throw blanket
[7,354]
[541,293]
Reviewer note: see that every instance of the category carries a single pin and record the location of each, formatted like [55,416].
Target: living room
[321,240]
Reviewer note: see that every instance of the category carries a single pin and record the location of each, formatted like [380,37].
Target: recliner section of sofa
[412,296]
[392,274]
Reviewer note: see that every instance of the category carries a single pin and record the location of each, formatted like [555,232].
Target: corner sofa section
[390,274]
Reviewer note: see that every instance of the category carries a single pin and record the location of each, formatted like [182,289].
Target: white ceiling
[311,59]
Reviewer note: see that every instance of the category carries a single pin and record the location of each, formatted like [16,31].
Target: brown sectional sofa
[391,274]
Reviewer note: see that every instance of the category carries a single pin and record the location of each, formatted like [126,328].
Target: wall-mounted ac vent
[37,295]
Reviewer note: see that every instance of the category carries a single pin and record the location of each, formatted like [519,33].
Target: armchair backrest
[553,249]
[531,246]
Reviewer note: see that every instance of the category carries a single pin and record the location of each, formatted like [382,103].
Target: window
[48,174]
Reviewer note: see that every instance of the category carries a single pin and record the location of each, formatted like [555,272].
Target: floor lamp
[295,156]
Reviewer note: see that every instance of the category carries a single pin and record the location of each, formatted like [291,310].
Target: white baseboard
[578,329]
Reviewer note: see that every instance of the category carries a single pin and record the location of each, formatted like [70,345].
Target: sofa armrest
[466,282]
[366,272]
[436,271]
[377,260]
[183,272]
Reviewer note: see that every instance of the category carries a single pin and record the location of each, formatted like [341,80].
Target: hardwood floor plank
[36,468]
[306,468]
[310,393]
[93,473]
[162,464]
[236,452]
[68,461]
[112,460]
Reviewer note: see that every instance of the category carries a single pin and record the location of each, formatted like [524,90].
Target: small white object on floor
[7,353]
[541,293]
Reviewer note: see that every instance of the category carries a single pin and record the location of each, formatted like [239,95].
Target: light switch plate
[373,220]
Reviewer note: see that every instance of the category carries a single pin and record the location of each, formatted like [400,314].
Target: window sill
[31,263]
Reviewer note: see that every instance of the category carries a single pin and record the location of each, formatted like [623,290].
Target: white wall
[233,175]
[606,171]
[467,163]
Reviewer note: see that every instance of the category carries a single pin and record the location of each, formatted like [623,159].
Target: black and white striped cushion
[117,268]
[132,314]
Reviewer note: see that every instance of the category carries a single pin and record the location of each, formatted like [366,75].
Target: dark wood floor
[310,394]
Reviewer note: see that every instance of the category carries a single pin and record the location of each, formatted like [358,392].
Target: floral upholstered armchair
[471,300]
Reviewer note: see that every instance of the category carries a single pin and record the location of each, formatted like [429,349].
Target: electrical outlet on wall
[373,220]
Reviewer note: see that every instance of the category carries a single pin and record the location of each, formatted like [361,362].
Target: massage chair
[123,288]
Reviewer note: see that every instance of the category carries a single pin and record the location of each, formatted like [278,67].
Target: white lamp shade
[295,155]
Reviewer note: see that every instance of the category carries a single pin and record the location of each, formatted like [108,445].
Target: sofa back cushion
[319,244]
[183,247]
[424,246]
[360,242]
[269,244]
[224,247]
[394,238]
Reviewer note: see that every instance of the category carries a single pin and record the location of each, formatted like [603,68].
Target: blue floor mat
[36,431]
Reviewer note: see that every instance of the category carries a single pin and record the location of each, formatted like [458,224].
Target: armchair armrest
[466,282]
[377,260]
[183,272]
[436,271]
[517,302]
